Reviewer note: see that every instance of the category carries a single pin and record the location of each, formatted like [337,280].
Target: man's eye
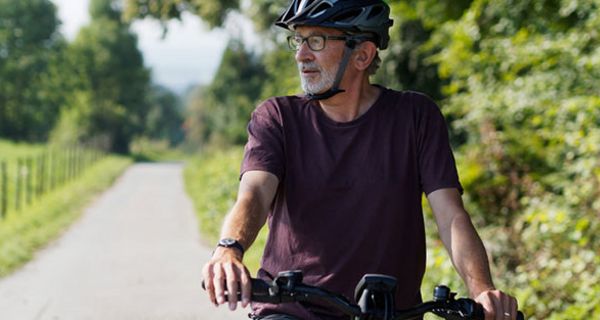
[315,40]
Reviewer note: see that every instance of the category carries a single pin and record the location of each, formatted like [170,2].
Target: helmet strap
[350,45]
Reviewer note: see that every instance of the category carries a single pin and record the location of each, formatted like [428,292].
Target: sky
[188,55]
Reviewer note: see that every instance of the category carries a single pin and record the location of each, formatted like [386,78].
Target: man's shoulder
[281,104]
[284,101]
[410,97]
[413,102]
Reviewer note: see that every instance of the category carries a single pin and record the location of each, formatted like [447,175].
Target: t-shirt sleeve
[264,149]
[437,167]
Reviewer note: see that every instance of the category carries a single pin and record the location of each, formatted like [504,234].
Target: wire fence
[25,179]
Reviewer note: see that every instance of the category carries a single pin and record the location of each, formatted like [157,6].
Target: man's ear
[364,54]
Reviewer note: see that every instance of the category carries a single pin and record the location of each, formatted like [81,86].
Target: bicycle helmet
[372,16]
[351,16]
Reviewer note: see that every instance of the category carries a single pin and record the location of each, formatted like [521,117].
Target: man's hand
[226,274]
[498,305]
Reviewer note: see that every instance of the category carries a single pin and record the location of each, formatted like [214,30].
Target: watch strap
[231,243]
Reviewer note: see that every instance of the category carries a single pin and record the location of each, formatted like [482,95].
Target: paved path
[135,254]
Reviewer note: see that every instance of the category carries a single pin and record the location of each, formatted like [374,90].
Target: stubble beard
[319,84]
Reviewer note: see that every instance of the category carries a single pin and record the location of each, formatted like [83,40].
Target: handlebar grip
[260,291]
[479,314]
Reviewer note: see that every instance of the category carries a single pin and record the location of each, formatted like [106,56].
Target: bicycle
[375,296]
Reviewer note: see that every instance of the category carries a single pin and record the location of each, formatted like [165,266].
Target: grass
[212,181]
[23,233]
[13,150]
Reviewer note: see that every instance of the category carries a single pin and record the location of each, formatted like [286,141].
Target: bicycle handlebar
[288,287]
[266,292]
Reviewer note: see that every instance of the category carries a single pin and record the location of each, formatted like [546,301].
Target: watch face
[227,242]
[231,243]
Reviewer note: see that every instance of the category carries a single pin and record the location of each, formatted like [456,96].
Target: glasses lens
[316,43]
[294,42]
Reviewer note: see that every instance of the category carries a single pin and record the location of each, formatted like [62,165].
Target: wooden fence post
[18,187]
[3,189]
[29,187]
[62,163]
[42,175]
[36,175]
[71,163]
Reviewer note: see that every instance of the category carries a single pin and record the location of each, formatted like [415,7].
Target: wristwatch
[230,243]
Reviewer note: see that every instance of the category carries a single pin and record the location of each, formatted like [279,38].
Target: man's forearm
[461,240]
[244,221]
[469,255]
[249,213]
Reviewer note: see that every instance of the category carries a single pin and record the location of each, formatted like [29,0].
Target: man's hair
[376,63]
[374,66]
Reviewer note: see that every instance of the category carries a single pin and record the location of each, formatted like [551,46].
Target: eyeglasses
[315,42]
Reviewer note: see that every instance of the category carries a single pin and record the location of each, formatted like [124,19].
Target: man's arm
[225,269]
[468,254]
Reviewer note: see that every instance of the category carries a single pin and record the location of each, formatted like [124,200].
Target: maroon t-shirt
[349,197]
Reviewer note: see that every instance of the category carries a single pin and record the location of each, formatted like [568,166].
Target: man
[339,173]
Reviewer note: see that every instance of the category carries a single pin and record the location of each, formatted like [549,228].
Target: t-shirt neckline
[327,120]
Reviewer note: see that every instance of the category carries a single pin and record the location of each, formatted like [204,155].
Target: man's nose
[304,53]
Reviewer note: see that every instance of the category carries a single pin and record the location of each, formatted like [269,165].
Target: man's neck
[352,103]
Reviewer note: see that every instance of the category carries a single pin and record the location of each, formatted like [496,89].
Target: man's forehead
[312,30]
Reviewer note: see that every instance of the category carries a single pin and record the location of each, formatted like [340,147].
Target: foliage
[522,88]
[265,12]
[95,89]
[23,233]
[108,99]
[213,11]
[30,50]
[281,72]
[227,102]
[194,125]
[211,181]
[148,150]
[164,118]
[406,63]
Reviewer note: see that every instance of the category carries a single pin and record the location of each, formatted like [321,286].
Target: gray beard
[315,86]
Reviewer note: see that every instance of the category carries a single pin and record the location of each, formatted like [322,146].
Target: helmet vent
[320,9]
[375,12]
[347,16]
[302,5]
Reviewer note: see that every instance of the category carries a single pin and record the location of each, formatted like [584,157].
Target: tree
[211,11]
[111,76]
[164,119]
[30,56]
[226,104]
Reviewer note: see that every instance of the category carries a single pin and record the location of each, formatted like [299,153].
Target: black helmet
[371,16]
